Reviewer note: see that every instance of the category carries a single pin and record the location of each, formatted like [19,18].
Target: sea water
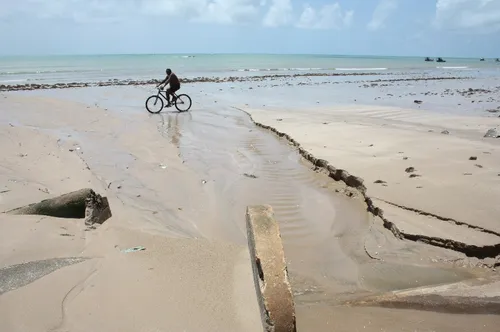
[95,68]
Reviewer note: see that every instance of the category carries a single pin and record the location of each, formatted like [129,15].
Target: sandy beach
[178,184]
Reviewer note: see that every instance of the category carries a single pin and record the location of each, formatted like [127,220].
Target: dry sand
[179,187]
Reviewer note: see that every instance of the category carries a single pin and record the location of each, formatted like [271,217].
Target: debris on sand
[493,132]
[410,170]
[134,249]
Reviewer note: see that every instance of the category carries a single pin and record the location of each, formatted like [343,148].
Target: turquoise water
[91,68]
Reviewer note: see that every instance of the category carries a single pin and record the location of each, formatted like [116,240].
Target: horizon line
[233,53]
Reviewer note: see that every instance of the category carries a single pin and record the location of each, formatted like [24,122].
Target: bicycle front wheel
[154,104]
[183,103]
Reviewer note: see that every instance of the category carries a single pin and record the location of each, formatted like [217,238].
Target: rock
[445,132]
[380,182]
[493,132]
[473,158]
[410,170]
[417,102]
[355,182]
[321,163]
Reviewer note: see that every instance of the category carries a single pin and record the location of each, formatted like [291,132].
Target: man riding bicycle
[175,85]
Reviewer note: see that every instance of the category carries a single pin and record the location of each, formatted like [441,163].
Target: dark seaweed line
[260,78]
[480,252]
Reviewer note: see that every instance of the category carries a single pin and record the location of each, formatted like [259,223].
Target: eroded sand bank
[174,177]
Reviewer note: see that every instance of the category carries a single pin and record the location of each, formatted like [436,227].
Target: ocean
[97,68]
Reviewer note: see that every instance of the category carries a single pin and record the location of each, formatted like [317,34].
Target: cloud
[80,11]
[213,11]
[280,13]
[468,15]
[329,16]
[206,11]
[271,13]
[384,9]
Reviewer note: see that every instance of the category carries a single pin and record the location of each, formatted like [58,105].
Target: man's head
[168,71]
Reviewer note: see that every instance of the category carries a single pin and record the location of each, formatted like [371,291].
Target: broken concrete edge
[81,204]
[97,209]
[270,273]
[357,183]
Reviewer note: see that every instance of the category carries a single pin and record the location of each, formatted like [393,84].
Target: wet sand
[175,178]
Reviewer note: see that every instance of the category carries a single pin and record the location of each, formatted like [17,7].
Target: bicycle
[158,104]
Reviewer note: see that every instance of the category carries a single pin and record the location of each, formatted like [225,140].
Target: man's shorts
[173,88]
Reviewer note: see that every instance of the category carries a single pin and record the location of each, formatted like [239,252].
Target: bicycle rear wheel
[183,103]
[154,104]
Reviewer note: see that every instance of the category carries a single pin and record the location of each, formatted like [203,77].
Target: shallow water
[246,166]
[323,231]
[91,68]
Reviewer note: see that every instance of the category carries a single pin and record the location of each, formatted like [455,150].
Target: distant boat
[440,60]
[429,59]
[482,59]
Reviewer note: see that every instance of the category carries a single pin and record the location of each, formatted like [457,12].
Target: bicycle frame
[162,93]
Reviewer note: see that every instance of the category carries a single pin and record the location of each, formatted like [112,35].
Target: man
[175,85]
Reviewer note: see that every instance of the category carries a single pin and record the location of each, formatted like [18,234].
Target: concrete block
[273,288]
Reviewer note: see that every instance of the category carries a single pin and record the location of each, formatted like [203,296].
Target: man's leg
[173,90]
[168,97]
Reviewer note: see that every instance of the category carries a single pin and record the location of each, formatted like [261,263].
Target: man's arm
[166,80]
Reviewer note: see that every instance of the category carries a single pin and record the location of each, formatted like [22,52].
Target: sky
[466,28]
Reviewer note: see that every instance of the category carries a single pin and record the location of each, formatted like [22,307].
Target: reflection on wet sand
[170,124]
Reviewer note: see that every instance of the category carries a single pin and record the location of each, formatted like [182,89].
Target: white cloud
[81,11]
[384,9]
[271,13]
[280,13]
[214,11]
[207,11]
[329,16]
[468,15]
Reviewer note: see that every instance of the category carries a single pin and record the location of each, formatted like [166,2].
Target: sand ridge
[427,190]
